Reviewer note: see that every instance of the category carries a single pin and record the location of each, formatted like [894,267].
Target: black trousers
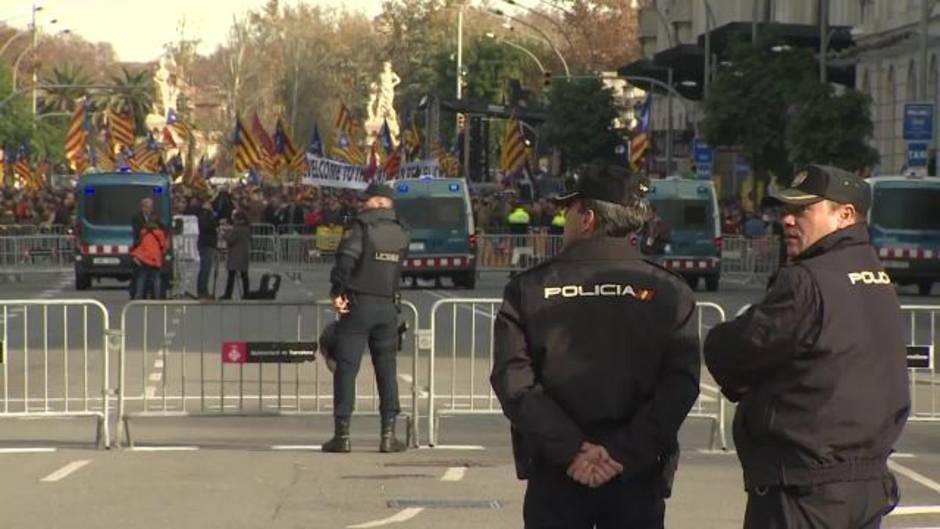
[230,283]
[375,324]
[844,505]
[555,501]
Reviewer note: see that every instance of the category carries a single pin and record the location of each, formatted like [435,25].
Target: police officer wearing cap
[818,368]
[364,290]
[596,366]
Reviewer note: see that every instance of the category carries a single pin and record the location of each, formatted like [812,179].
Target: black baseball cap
[815,182]
[376,189]
[607,183]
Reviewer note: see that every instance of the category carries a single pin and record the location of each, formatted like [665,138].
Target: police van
[107,203]
[443,237]
[904,224]
[689,209]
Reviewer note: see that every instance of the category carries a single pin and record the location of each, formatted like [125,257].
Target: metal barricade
[37,253]
[749,260]
[921,328]
[295,229]
[461,386]
[171,363]
[55,361]
[504,252]
[300,253]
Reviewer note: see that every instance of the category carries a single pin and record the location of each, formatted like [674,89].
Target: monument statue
[381,105]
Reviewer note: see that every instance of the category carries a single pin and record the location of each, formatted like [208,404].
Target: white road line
[64,472]
[914,476]
[454,474]
[708,387]
[297,447]
[155,377]
[27,450]
[158,363]
[164,449]
[407,378]
[903,455]
[452,447]
[915,510]
[706,398]
[706,451]
[151,392]
[403,516]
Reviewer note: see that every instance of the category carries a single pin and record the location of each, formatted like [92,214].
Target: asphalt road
[215,469]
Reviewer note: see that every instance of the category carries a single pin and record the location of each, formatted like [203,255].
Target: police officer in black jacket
[596,366]
[818,368]
[364,289]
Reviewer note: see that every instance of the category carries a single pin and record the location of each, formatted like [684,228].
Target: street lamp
[551,44]
[551,20]
[491,35]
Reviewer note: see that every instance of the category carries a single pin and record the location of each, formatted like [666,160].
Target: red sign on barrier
[234,352]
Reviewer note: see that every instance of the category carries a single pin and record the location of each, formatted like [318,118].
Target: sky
[137,29]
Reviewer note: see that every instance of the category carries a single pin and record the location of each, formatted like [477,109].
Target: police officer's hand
[593,466]
[341,304]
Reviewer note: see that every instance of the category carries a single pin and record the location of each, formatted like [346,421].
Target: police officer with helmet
[597,365]
[364,291]
[818,368]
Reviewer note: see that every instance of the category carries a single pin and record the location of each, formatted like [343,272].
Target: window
[116,205]
[896,208]
[683,213]
[430,213]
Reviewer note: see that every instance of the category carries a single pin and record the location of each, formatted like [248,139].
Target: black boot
[340,442]
[389,442]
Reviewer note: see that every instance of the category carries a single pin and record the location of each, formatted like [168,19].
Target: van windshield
[116,205]
[684,214]
[906,208]
[431,213]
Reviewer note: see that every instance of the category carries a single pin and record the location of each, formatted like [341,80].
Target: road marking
[706,451]
[903,455]
[407,378]
[706,398]
[158,364]
[403,516]
[297,447]
[454,474]
[155,377]
[708,387]
[452,447]
[164,449]
[64,472]
[26,450]
[915,510]
[914,476]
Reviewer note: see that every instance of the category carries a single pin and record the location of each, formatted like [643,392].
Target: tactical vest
[384,246]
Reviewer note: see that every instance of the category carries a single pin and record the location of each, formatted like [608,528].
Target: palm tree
[64,99]
[135,91]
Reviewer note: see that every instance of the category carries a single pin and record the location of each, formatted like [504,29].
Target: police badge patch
[799,178]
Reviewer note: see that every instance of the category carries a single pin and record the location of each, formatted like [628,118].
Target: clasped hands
[593,466]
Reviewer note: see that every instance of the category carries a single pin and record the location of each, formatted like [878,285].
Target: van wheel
[82,281]
[711,283]
[924,288]
[692,281]
[467,280]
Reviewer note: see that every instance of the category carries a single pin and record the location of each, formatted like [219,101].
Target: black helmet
[327,343]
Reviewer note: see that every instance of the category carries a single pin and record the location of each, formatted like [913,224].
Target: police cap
[815,182]
[606,183]
[376,189]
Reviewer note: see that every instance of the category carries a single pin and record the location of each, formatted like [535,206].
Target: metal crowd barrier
[459,367]
[296,254]
[37,252]
[504,252]
[749,260]
[171,363]
[921,327]
[55,361]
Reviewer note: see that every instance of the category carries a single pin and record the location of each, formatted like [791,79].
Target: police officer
[364,291]
[596,366]
[818,368]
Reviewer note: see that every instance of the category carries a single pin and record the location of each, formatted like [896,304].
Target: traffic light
[461,120]
[548,78]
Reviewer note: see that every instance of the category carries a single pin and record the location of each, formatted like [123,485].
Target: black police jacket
[370,256]
[596,345]
[818,367]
